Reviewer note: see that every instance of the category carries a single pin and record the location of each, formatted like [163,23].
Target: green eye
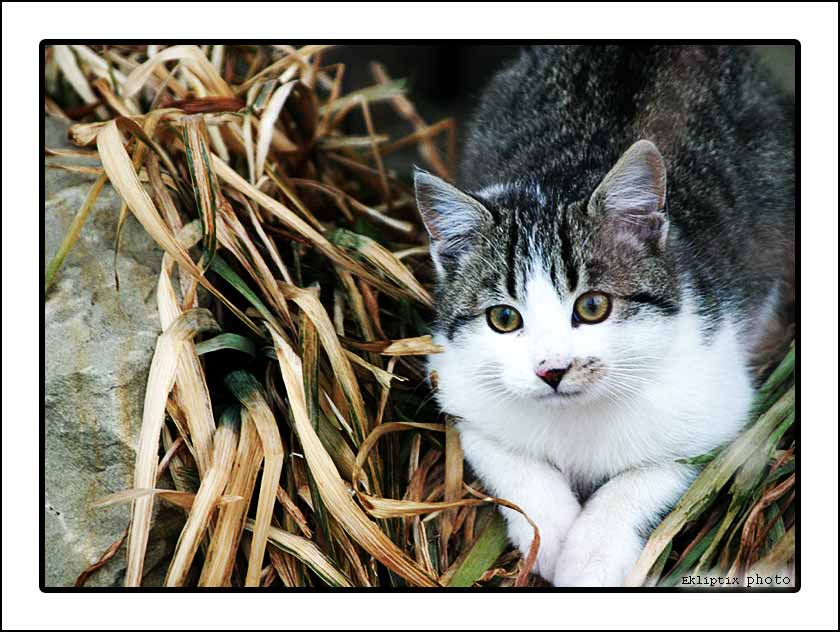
[504,319]
[592,308]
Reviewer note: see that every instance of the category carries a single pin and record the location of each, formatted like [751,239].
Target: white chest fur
[534,455]
[697,398]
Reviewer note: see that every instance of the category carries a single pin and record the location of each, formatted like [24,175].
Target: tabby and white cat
[618,252]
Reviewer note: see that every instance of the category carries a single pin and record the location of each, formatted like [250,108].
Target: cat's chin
[562,399]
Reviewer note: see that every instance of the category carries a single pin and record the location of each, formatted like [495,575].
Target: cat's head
[553,300]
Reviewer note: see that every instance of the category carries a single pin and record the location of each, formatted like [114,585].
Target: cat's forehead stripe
[512,255]
[566,252]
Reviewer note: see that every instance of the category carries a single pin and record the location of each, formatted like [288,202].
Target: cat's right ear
[633,192]
[452,219]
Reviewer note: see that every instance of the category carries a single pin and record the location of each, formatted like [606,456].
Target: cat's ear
[633,192]
[452,218]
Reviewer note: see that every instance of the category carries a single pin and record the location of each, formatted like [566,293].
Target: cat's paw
[594,557]
[546,563]
[521,534]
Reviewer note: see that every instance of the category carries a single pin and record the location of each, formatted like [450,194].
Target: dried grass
[327,467]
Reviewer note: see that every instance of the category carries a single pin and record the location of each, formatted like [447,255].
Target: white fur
[495,190]
[662,393]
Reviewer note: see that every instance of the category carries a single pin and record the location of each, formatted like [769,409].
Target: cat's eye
[504,319]
[592,308]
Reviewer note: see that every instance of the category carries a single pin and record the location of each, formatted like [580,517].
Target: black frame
[796,44]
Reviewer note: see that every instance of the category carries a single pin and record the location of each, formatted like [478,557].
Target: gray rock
[98,348]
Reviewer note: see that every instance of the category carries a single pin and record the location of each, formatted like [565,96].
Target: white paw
[521,534]
[593,557]
[546,558]
[553,531]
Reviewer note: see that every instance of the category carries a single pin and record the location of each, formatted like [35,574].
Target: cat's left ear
[634,193]
[452,219]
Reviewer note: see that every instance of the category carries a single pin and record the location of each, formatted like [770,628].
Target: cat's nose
[551,377]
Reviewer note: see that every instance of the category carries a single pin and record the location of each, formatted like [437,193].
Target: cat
[618,252]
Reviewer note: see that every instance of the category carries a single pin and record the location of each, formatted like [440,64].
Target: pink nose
[551,377]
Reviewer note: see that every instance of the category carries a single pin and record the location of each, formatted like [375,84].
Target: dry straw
[299,435]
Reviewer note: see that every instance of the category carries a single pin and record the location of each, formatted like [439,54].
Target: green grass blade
[73,233]
[227,341]
[490,544]
[221,267]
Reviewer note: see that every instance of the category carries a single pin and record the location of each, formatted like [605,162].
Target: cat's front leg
[539,489]
[607,537]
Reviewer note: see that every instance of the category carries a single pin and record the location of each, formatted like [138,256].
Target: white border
[25,24]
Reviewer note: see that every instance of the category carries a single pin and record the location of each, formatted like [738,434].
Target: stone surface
[98,348]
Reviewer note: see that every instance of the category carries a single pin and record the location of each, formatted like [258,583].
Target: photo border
[43,588]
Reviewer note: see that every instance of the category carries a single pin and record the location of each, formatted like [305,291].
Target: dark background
[445,80]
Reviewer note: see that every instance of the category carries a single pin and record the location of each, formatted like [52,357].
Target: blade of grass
[334,493]
[205,187]
[193,396]
[160,382]
[453,483]
[383,260]
[192,58]
[227,341]
[310,351]
[73,232]
[69,65]
[372,94]
[308,553]
[475,561]
[267,121]
[221,554]
[248,391]
[314,310]
[213,484]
